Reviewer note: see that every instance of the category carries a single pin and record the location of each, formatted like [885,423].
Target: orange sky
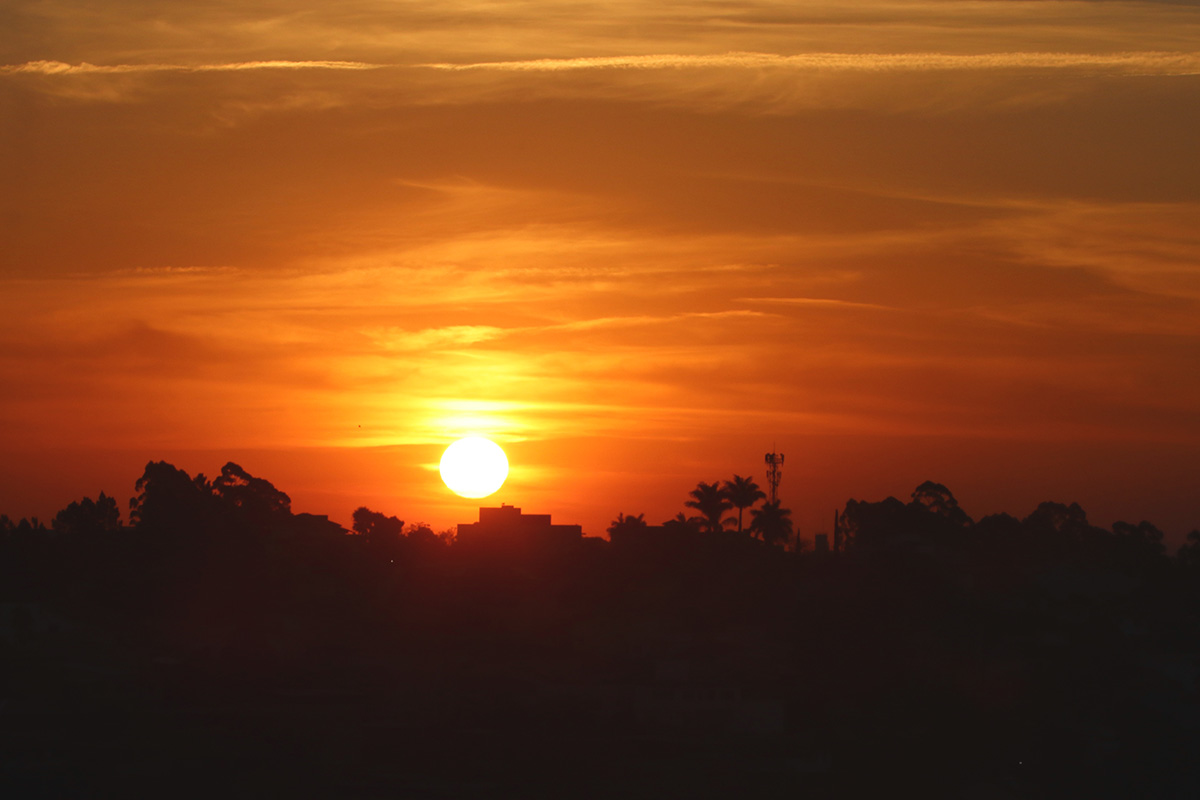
[636,243]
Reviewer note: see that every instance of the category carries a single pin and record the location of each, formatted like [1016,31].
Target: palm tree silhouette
[681,522]
[625,527]
[772,523]
[711,502]
[742,493]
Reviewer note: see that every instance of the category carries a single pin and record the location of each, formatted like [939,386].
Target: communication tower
[774,468]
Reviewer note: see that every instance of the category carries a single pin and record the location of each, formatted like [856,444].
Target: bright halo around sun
[474,467]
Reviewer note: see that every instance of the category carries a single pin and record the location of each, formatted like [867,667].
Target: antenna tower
[774,468]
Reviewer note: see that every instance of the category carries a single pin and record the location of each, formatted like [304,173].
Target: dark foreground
[253,653]
[813,677]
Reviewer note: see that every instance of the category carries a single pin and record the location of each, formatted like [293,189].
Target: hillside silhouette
[217,642]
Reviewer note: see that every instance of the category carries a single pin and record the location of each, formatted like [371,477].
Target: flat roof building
[507,524]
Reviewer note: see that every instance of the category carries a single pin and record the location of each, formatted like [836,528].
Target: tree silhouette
[771,522]
[866,524]
[378,531]
[1051,517]
[626,527]
[1188,554]
[711,502]
[1058,532]
[742,493]
[421,534]
[682,523]
[940,501]
[23,526]
[1136,546]
[30,525]
[171,500]
[256,498]
[88,517]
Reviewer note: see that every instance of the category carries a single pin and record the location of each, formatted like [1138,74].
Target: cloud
[1158,63]
[84,68]
[642,320]
[818,302]
[429,339]
[1130,63]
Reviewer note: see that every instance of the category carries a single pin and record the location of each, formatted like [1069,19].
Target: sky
[638,244]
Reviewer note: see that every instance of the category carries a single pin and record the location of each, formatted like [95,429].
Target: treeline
[1024,653]
[199,553]
[238,506]
[931,521]
[1052,533]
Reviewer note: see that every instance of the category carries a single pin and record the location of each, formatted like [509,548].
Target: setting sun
[474,467]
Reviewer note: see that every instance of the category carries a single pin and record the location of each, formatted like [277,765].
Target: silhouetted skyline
[221,637]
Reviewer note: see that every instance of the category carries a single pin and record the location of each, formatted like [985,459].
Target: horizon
[467,509]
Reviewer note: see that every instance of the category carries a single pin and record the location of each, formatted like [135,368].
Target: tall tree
[742,493]
[940,501]
[771,523]
[711,502]
[254,497]
[171,500]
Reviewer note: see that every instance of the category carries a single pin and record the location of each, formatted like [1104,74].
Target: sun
[474,467]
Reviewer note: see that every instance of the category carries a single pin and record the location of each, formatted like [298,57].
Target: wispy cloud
[84,68]
[646,319]
[820,302]
[1159,63]
[429,339]
[1146,62]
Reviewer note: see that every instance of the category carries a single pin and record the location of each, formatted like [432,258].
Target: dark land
[220,645]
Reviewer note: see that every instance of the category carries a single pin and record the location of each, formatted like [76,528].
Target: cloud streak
[1157,63]
[1127,63]
[84,68]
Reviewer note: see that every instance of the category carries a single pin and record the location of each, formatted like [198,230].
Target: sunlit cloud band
[84,68]
[1149,62]
[1155,63]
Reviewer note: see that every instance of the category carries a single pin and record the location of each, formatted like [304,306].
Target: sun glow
[474,467]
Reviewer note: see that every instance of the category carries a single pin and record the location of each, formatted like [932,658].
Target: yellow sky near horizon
[637,243]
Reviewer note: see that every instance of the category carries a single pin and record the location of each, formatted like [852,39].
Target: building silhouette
[508,527]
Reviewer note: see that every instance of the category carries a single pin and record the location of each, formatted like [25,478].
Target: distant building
[506,525]
[821,543]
